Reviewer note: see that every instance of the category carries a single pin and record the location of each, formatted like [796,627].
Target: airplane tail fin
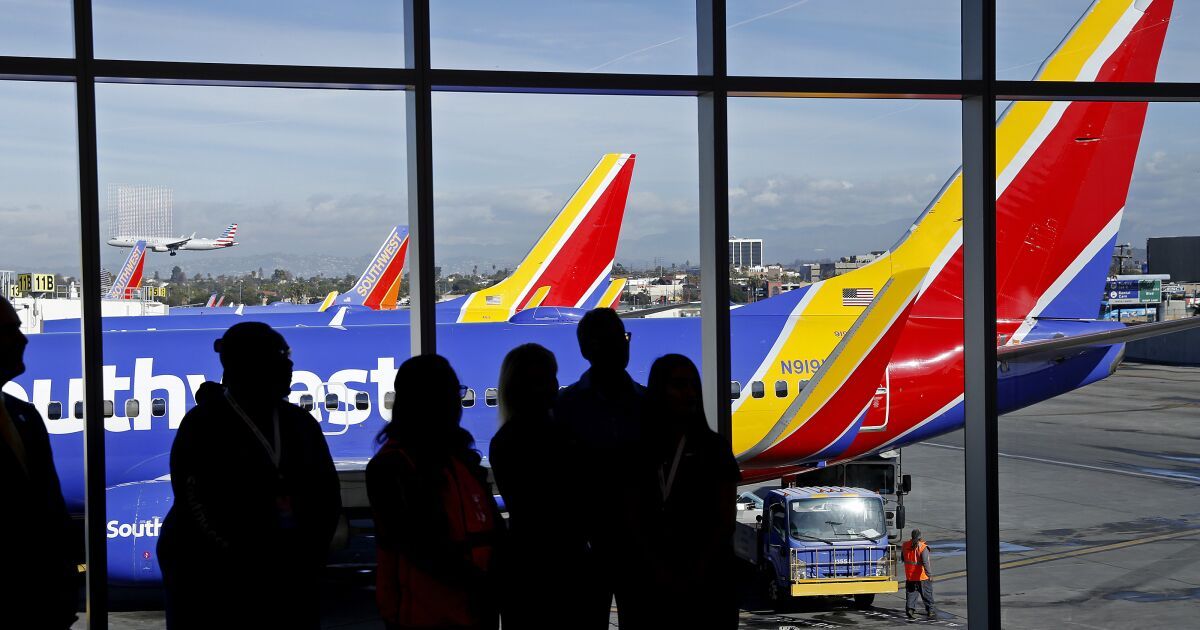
[129,277]
[1063,172]
[227,237]
[376,282]
[212,301]
[328,301]
[570,265]
[1064,168]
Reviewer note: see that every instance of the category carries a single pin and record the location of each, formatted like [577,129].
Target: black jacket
[227,491]
[38,544]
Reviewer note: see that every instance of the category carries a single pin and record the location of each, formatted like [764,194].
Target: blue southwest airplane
[857,364]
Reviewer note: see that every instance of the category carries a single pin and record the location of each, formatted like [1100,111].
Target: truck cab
[817,541]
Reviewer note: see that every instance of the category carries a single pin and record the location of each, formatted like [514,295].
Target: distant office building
[848,263]
[140,211]
[1178,256]
[745,252]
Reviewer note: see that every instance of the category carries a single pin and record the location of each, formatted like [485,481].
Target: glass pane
[1104,40]
[264,201]
[39,273]
[866,38]
[854,306]
[1114,419]
[581,36]
[41,28]
[548,206]
[291,32]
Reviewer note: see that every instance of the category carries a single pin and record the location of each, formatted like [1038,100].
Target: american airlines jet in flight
[173,244]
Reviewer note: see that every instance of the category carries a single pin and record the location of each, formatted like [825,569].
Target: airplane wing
[179,243]
[1051,348]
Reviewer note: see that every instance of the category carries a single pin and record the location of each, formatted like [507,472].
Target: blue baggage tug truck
[817,541]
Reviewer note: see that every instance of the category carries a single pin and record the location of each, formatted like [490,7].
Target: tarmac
[1099,522]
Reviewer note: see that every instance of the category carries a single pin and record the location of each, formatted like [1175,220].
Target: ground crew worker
[917,576]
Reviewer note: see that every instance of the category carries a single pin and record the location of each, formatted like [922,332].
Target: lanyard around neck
[666,484]
[273,452]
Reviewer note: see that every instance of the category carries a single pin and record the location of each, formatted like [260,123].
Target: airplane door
[879,411]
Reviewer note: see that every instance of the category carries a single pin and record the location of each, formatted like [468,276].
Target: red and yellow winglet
[573,257]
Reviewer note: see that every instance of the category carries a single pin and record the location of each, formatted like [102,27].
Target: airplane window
[489,397]
[801,385]
[331,402]
[735,390]
[79,409]
[781,389]
[757,389]
[389,400]
[306,402]
[468,399]
[158,407]
[54,410]
[133,408]
[362,401]
[109,407]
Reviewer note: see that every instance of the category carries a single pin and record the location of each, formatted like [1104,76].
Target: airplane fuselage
[172,244]
[161,368]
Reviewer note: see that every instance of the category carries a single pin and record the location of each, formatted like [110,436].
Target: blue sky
[322,172]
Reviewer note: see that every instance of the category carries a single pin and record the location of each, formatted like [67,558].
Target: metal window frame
[977,89]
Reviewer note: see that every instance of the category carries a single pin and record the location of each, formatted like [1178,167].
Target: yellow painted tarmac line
[1050,557]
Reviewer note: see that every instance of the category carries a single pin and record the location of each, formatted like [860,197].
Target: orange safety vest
[914,569]
[410,597]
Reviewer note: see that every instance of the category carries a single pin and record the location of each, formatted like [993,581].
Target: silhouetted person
[436,523]
[530,462]
[602,415]
[697,480]
[918,577]
[256,496]
[38,587]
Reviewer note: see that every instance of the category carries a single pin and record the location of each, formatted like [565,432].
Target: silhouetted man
[601,414]
[38,588]
[256,496]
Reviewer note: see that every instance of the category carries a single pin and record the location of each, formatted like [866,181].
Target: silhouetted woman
[435,519]
[528,461]
[697,479]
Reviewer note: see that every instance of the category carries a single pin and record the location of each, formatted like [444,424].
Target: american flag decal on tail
[857,297]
